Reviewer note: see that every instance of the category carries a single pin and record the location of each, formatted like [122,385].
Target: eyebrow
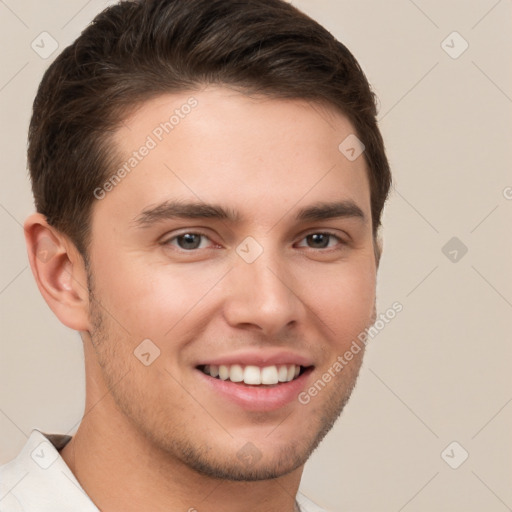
[198,210]
[325,211]
[185,210]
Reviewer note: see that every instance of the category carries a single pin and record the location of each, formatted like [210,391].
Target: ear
[59,271]
[377,247]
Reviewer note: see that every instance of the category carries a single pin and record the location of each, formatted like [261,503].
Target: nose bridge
[263,289]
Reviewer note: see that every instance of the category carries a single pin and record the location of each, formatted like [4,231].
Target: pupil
[189,241]
[319,240]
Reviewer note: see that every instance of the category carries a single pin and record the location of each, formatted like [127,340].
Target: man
[209,180]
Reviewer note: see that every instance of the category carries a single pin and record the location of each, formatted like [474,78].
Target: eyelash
[326,249]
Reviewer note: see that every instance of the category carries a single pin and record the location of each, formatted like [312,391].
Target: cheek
[344,300]
[149,300]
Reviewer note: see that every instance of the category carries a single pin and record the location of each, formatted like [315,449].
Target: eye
[188,241]
[321,240]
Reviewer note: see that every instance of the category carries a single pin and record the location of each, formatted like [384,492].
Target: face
[236,248]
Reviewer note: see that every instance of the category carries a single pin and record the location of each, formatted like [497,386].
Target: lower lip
[258,398]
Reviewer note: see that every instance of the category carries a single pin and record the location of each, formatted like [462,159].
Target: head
[191,192]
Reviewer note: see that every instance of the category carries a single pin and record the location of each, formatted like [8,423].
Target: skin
[155,437]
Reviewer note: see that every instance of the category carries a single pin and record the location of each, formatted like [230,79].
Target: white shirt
[38,480]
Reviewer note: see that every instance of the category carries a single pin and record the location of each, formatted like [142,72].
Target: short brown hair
[136,50]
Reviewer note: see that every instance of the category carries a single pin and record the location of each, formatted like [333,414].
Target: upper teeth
[253,374]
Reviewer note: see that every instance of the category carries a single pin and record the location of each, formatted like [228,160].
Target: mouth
[255,376]
[255,380]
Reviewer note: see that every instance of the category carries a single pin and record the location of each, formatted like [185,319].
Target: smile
[254,375]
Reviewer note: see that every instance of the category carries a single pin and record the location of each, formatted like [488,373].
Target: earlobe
[59,271]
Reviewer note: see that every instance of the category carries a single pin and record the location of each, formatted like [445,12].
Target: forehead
[221,146]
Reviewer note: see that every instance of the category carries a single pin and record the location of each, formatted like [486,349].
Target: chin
[250,470]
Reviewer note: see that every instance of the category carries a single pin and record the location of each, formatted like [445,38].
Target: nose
[263,296]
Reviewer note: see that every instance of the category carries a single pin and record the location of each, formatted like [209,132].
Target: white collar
[38,479]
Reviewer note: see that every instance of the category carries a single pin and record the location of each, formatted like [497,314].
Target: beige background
[440,371]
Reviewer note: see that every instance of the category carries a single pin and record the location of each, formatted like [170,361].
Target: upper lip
[259,358]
